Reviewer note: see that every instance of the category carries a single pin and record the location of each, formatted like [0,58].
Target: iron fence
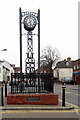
[32,83]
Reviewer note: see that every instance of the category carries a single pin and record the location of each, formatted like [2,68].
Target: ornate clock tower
[30,20]
[40,85]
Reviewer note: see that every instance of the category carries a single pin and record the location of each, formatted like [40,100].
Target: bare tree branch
[50,56]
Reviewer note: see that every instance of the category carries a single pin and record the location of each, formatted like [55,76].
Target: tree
[49,57]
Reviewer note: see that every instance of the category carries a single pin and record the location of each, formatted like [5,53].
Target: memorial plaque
[33,98]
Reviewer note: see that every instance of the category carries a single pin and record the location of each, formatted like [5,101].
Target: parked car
[68,81]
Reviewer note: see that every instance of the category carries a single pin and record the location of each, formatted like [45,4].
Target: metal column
[39,49]
[20,40]
[20,18]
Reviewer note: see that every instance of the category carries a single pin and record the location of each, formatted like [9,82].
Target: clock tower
[39,85]
[30,20]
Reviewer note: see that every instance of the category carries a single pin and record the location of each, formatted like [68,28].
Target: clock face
[30,22]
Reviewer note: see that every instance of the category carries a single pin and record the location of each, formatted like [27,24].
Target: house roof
[64,64]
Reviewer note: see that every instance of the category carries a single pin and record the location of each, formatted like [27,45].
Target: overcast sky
[59,27]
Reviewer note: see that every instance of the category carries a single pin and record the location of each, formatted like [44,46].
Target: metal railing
[31,83]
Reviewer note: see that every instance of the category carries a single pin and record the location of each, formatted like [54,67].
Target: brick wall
[44,99]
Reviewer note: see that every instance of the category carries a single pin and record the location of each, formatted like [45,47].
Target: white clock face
[30,22]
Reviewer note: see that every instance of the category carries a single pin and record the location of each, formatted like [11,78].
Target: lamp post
[2,100]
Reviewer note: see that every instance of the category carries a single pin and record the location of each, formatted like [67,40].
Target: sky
[58,23]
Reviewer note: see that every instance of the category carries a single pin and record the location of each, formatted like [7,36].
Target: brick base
[32,99]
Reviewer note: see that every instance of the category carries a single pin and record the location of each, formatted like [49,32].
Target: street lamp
[3,50]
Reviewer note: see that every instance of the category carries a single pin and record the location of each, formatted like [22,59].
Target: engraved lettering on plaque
[33,98]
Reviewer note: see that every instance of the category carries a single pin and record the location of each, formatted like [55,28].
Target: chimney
[68,59]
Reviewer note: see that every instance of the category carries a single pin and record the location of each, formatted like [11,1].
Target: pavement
[36,107]
[39,107]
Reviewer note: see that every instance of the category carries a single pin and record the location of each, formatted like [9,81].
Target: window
[67,63]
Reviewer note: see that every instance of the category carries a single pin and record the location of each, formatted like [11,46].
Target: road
[72,96]
[71,93]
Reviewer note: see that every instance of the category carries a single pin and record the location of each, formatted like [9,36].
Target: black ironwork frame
[30,83]
[22,16]
[30,62]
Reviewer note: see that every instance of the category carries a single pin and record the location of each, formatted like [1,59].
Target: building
[45,69]
[5,70]
[16,69]
[64,69]
[76,71]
